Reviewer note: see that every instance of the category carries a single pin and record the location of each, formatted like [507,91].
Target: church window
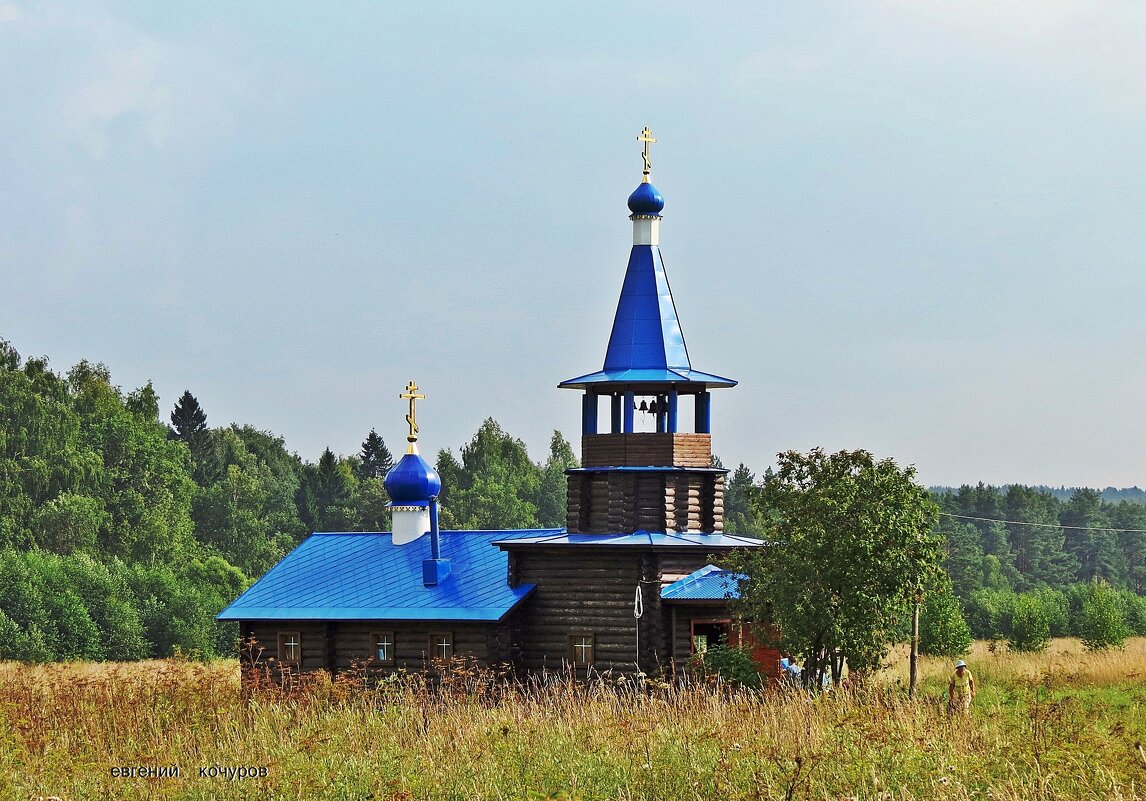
[581,649]
[442,645]
[290,647]
[383,647]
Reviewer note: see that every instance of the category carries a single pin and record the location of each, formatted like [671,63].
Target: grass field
[1058,725]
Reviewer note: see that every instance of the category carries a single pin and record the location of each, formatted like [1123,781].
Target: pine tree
[376,457]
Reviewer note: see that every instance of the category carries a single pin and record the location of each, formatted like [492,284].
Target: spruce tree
[189,423]
[188,419]
[376,457]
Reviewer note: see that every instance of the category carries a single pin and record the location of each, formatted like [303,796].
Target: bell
[644,407]
[654,408]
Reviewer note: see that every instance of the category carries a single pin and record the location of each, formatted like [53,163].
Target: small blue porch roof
[637,539]
[364,576]
[710,583]
[646,345]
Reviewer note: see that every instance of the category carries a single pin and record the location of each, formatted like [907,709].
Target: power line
[1044,525]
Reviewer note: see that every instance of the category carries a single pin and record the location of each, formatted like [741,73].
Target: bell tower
[651,473]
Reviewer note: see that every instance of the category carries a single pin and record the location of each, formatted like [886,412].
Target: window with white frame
[290,647]
[581,649]
[442,645]
[383,647]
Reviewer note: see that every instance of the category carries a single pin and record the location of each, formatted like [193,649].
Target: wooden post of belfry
[914,677]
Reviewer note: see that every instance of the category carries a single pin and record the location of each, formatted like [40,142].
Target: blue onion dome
[413,481]
[646,200]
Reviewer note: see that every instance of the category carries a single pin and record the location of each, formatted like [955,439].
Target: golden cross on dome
[646,137]
[411,394]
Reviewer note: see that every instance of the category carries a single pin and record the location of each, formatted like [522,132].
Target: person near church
[961,689]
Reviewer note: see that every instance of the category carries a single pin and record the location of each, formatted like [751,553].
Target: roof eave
[491,614]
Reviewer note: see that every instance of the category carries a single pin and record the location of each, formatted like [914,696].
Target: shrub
[1030,629]
[1103,623]
[1135,606]
[1056,606]
[732,664]
[942,628]
[988,613]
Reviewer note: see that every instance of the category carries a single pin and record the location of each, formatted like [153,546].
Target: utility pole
[914,677]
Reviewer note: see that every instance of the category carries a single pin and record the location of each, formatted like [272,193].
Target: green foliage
[69,523]
[1103,624]
[496,486]
[1055,541]
[988,613]
[742,507]
[1056,607]
[373,514]
[375,460]
[552,484]
[732,664]
[248,513]
[849,543]
[1029,629]
[189,425]
[943,631]
[1135,606]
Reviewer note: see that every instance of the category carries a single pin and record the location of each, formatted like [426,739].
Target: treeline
[1022,563]
[121,536]
[1023,538]
[1064,493]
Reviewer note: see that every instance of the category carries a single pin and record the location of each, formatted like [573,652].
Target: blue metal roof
[647,344]
[654,376]
[364,576]
[638,539]
[710,583]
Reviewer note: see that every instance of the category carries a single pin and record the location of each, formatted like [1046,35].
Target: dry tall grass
[1038,731]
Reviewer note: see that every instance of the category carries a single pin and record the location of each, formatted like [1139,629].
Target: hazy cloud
[121,88]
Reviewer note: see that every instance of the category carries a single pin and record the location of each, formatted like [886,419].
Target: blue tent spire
[646,345]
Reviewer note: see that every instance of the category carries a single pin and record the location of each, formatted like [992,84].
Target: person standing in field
[961,689]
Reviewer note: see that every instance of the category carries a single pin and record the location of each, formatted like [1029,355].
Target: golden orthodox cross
[411,394]
[646,137]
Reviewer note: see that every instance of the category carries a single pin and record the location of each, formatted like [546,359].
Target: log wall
[339,645]
[646,450]
[582,591]
[609,502]
[586,590]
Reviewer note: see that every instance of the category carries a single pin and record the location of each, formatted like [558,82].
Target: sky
[915,227]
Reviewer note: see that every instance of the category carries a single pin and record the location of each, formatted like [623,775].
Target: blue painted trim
[629,401]
[684,380]
[672,410]
[435,571]
[435,540]
[588,413]
[704,413]
[636,539]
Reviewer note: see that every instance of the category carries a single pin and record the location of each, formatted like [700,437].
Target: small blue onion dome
[646,200]
[412,481]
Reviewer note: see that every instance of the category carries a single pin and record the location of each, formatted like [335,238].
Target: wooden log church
[626,586]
